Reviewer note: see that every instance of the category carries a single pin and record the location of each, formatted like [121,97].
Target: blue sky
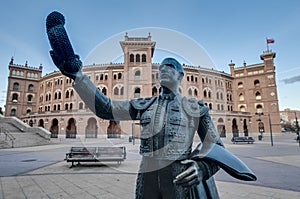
[227,30]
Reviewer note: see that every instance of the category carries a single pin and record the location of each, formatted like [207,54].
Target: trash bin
[260,137]
[130,139]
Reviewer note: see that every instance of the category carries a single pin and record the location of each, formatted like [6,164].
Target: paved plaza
[41,172]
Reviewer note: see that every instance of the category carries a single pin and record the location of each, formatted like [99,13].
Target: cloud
[291,80]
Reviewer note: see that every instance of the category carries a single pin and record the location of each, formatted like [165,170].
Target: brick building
[234,99]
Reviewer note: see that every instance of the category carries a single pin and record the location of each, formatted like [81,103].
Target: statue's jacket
[182,119]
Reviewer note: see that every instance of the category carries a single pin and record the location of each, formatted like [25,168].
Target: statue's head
[173,63]
[170,74]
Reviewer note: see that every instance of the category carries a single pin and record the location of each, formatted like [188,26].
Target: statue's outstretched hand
[62,52]
[191,176]
[71,72]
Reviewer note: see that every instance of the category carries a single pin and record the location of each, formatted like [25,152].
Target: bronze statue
[169,168]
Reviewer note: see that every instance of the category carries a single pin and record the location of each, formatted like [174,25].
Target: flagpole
[267,44]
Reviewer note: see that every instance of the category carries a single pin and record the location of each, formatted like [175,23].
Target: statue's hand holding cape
[226,160]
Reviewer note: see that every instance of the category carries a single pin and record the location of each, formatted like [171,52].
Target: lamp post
[260,125]
[297,129]
[271,130]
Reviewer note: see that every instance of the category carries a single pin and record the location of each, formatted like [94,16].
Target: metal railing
[8,136]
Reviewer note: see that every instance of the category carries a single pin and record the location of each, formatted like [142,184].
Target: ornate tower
[138,53]
[22,91]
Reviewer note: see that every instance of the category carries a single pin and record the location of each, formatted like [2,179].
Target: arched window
[240,85]
[131,58]
[143,58]
[256,82]
[210,106]
[257,95]
[195,92]
[119,75]
[67,94]
[154,91]
[137,75]
[209,94]
[217,94]
[220,120]
[30,87]
[59,95]
[137,92]
[259,108]
[137,58]
[16,86]
[122,90]
[116,91]
[243,108]
[104,91]
[29,98]
[55,96]
[190,92]
[80,105]
[66,106]
[241,97]
[205,93]
[13,112]
[15,97]
[71,106]
[54,107]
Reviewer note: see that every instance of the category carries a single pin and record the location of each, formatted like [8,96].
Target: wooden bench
[249,140]
[96,154]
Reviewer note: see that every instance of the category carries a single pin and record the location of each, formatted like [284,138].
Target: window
[240,85]
[80,105]
[137,58]
[16,86]
[243,108]
[137,92]
[257,95]
[195,92]
[143,58]
[190,92]
[205,93]
[241,97]
[256,82]
[154,91]
[104,91]
[116,91]
[13,112]
[30,87]
[131,58]
[66,106]
[29,98]
[137,75]
[67,94]
[259,108]
[15,97]
[122,90]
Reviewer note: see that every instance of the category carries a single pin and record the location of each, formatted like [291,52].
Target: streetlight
[297,129]
[271,130]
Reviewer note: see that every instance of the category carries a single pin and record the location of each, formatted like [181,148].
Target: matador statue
[170,168]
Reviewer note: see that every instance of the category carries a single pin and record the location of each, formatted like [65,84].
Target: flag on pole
[270,41]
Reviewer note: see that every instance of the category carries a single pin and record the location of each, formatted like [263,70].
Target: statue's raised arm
[69,64]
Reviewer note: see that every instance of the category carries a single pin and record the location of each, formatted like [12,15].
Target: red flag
[270,41]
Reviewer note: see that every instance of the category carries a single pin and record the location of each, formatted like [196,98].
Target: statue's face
[168,76]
